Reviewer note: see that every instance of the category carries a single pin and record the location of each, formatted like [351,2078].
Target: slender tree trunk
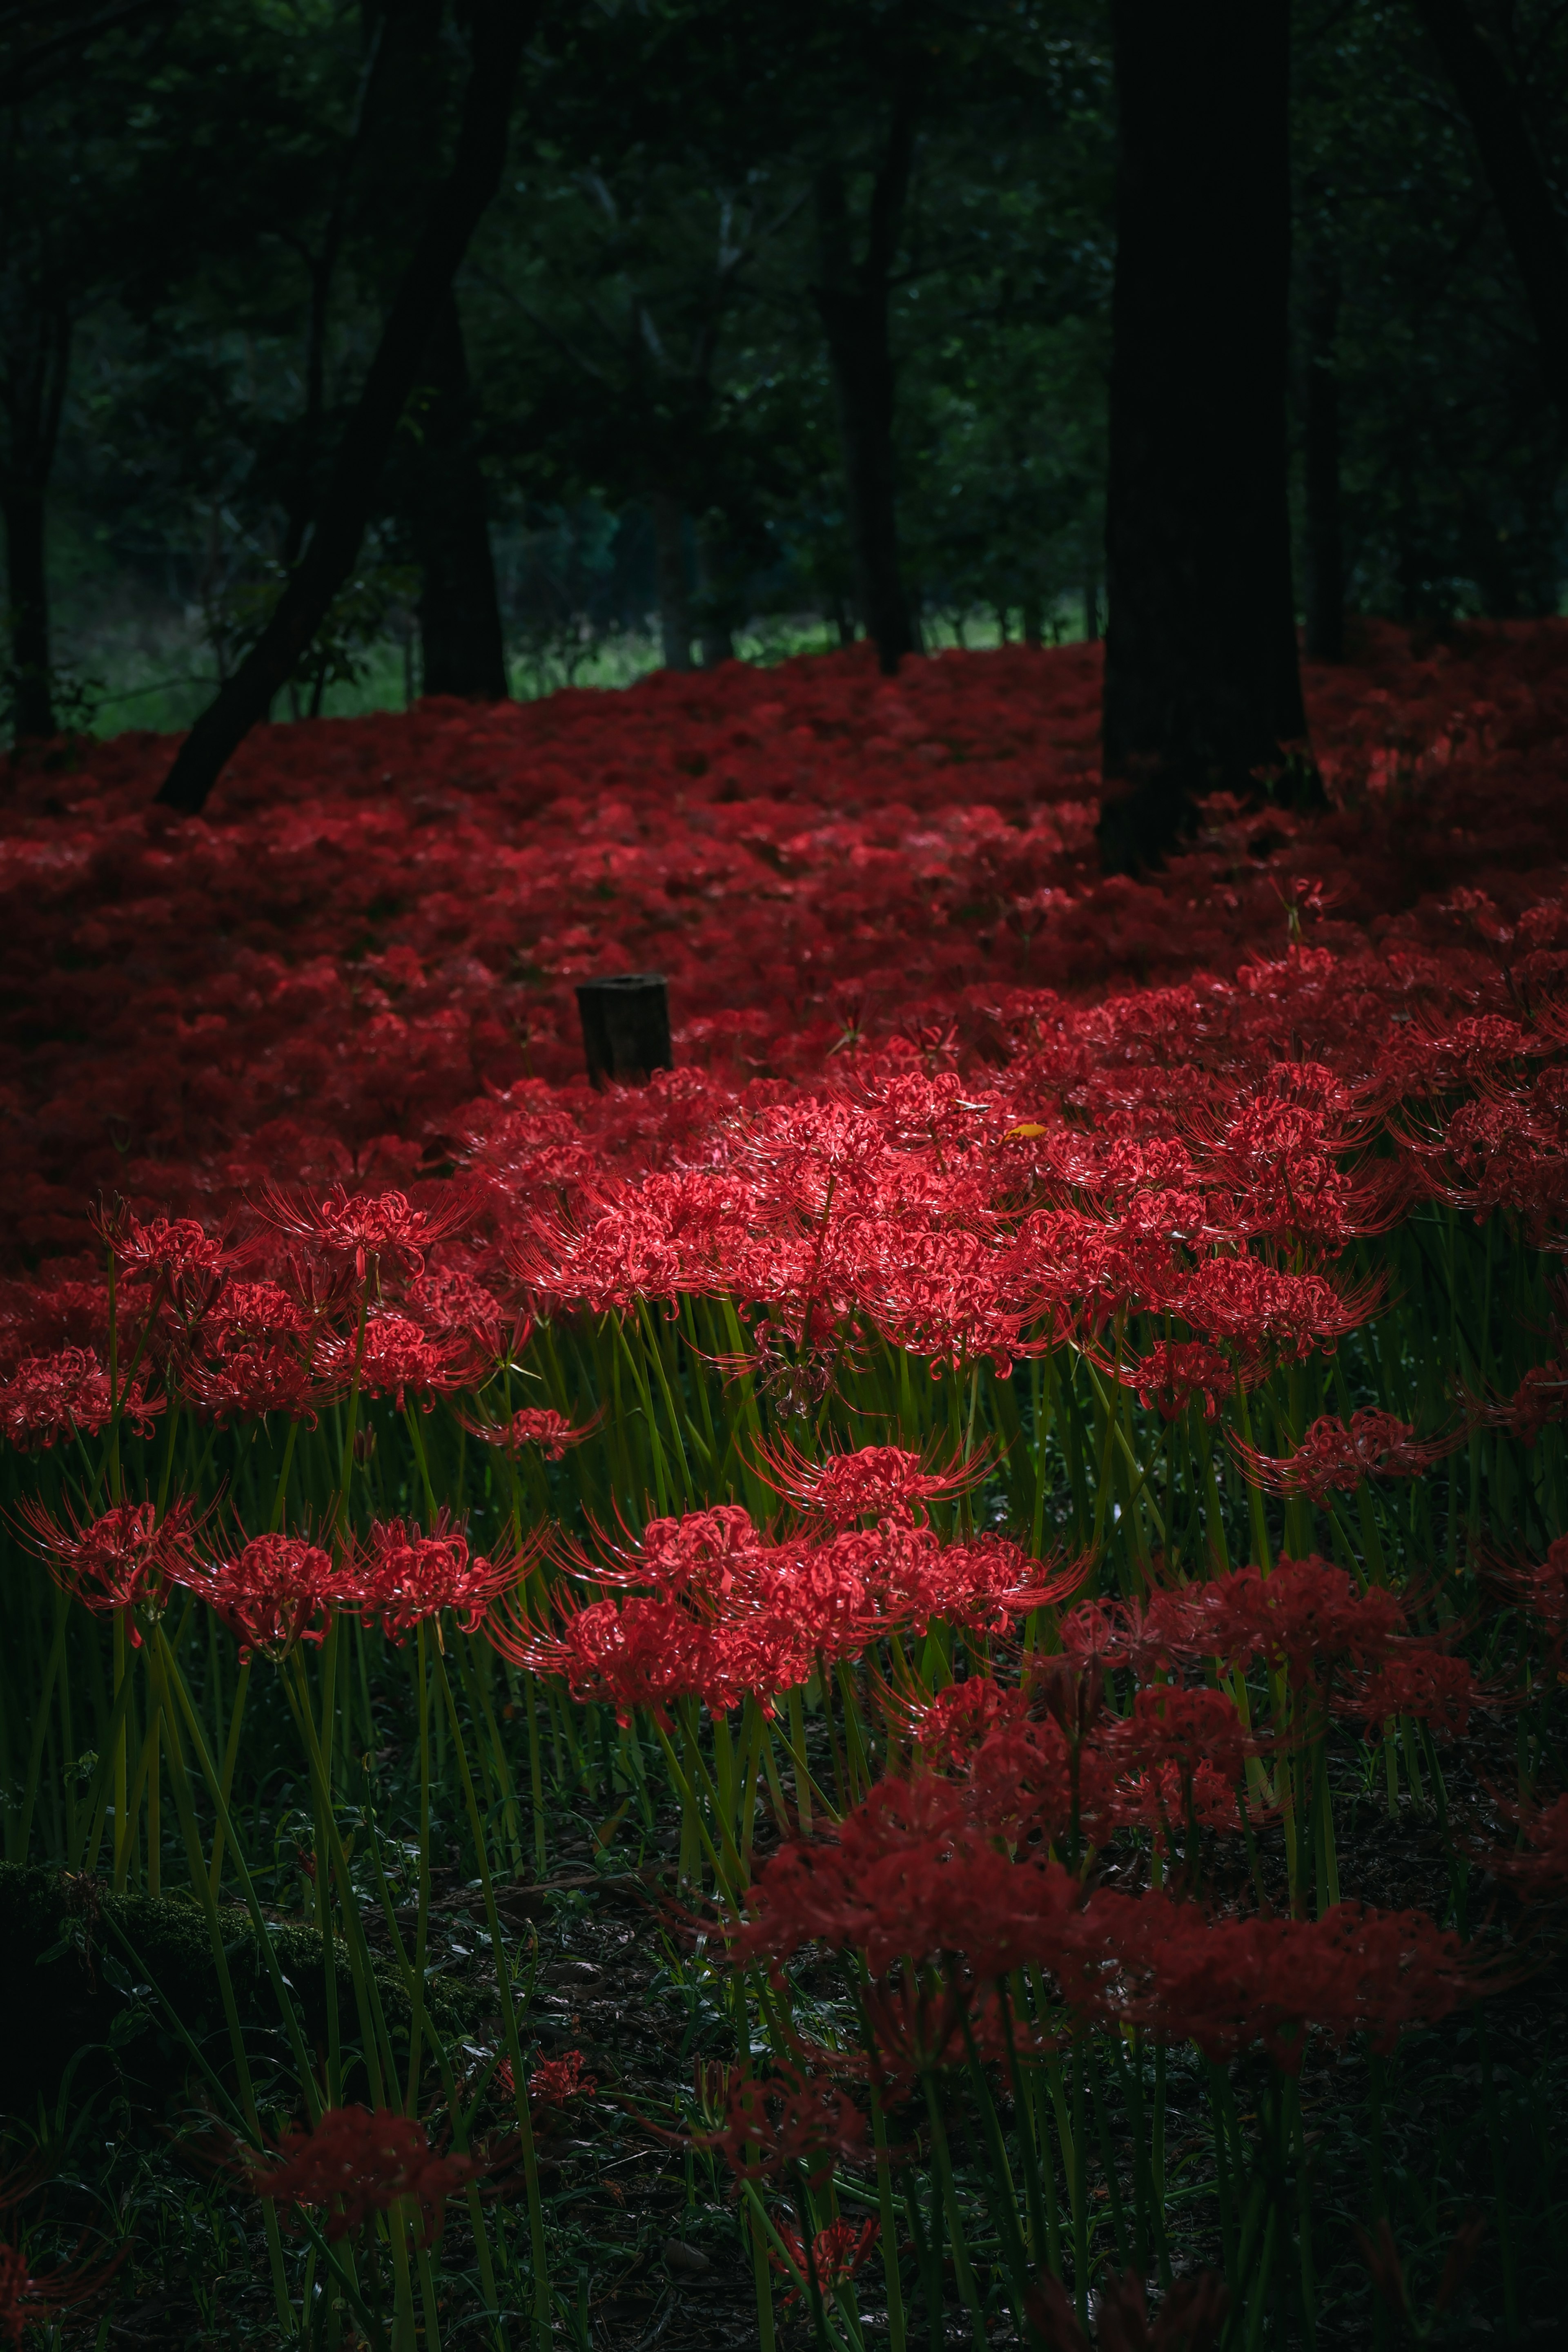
[1202,684]
[1031,621]
[499,29]
[461,644]
[36,365]
[1520,190]
[852,300]
[1325,544]
[1092,609]
[670,557]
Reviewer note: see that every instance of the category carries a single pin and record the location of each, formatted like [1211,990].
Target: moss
[68,1984]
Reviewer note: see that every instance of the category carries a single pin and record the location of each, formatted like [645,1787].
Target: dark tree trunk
[1202,685]
[461,645]
[715,640]
[1531,219]
[1092,609]
[36,364]
[670,561]
[1031,621]
[852,300]
[499,28]
[1326,543]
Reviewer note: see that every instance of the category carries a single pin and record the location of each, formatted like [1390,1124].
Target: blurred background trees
[779,331]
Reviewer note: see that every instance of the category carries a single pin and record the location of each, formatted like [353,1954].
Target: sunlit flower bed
[1021,1486]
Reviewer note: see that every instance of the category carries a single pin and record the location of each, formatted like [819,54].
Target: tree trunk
[715,640]
[1520,190]
[1325,546]
[1202,685]
[1092,609]
[499,28]
[37,361]
[670,560]
[852,299]
[461,646]
[27,585]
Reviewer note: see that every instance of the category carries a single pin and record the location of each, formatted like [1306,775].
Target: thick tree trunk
[715,640]
[852,301]
[670,562]
[1202,684]
[27,586]
[461,644]
[37,361]
[1326,543]
[1531,221]
[498,30]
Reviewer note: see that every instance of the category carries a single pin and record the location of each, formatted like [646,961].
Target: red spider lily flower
[792,2115]
[539,1425]
[955,1723]
[173,1248]
[876,1482]
[645,1652]
[126,1559]
[1333,1458]
[398,1354]
[38,2299]
[372,1229]
[558,2080]
[1543,1867]
[268,1377]
[1540,1589]
[400,1576]
[1541,1397]
[1190,2319]
[1175,1372]
[1186,1728]
[276,1591]
[1307,1614]
[1424,1683]
[836,2253]
[358,2163]
[52,1397]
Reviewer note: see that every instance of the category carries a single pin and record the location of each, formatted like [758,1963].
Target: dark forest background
[743,267]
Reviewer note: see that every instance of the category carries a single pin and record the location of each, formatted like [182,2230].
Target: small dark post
[625,1027]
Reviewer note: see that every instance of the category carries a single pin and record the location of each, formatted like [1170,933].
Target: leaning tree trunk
[1520,190]
[36,365]
[852,300]
[461,646]
[1202,685]
[499,28]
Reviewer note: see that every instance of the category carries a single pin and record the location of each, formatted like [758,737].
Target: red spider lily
[1190,2319]
[40,2299]
[269,1375]
[836,2253]
[397,1354]
[876,1482]
[400,1576]
[1541,1397]
[125,1558]
[539,1425]
[1186,1728]
[648,1653]
[558,2080]
[276,1591]
[1333,1458]
[173,1249]
[1175,1372]
[1540,1589]
[1308,1614]
[1424,1683]
[792,2115]
[1543,1868]
[373,1229]
[957,1721]
[358,2163]
[52,1397]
